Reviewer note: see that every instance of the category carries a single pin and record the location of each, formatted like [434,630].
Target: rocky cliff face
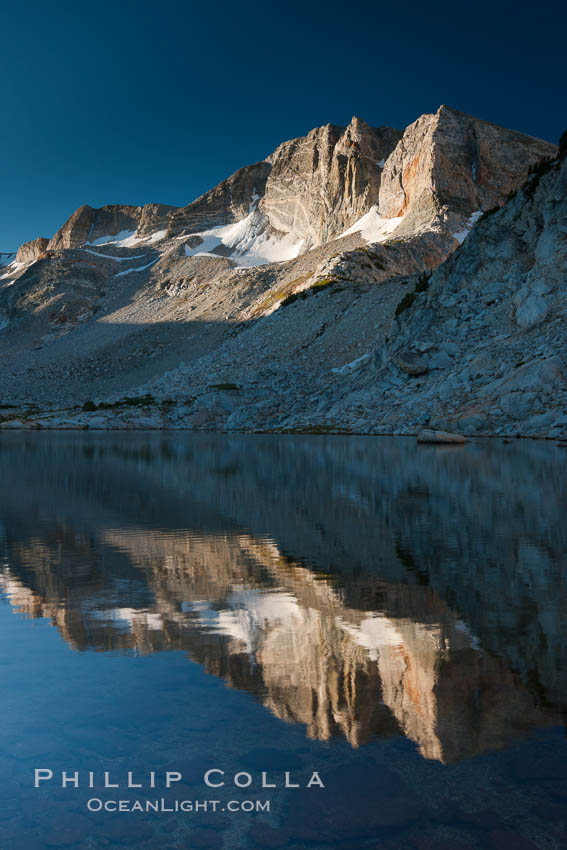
[322,183]
[449,166]
[29,252]
[87,225]
[489,330]
[81,227]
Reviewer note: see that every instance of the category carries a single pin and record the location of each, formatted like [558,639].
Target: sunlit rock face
[29,252]
[87,225]
[450,164]
[366,630]
[320,184]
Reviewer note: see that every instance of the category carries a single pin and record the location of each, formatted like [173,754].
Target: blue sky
[131,102]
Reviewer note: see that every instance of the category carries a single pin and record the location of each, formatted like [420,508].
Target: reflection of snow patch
[153,621]
[276,606]
[462,627]
[373,633]
[234,624]
[249,614]
[194,605]
[372,227]
[128,618]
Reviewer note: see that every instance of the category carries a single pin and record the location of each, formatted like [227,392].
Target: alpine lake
[282,641]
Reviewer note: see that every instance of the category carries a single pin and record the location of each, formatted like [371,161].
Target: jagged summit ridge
[432,177]
[322,183]
[165,302]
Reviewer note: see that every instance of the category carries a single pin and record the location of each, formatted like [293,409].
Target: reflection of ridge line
[334,668]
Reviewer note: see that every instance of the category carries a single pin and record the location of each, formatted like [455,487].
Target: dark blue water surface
[387,616]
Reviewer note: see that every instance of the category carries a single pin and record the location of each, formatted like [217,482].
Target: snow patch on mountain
[128,239]
[11,269]
[471,221]
[373,227]
[137,269]
[155,237]
[254,201]
[111,257]
[118,239]
[249,242]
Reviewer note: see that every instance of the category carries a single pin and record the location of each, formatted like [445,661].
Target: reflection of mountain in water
[421,591]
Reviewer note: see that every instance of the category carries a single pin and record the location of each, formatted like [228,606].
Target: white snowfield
[373,227]
[128,239]
[11,269]
[252,243]
[249,242]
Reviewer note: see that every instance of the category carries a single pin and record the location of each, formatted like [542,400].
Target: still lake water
[387,615]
